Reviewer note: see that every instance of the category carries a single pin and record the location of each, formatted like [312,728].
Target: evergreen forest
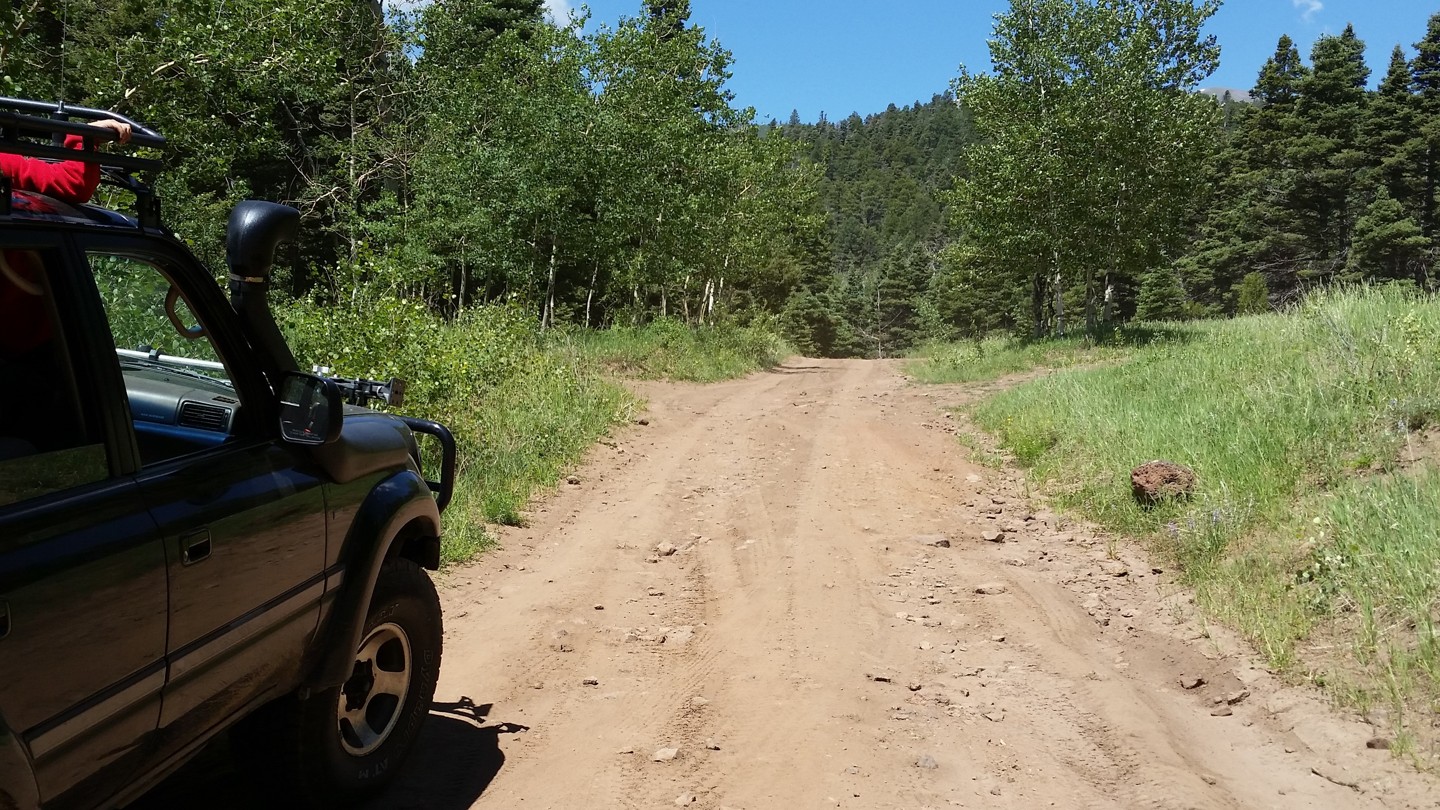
[1125,194]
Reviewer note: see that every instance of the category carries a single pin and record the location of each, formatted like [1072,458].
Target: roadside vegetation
[670,350]
[524,406]
[1315,527]
[993,357]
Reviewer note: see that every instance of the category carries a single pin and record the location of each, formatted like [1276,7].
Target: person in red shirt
[71,181]
[24,324]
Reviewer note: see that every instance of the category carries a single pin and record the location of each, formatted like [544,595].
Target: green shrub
[1253,295]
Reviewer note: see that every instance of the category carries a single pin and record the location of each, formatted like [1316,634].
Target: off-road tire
[307,752]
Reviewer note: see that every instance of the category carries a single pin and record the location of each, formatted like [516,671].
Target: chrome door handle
[195,547]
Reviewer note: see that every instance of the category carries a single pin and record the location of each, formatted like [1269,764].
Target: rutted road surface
[809,645]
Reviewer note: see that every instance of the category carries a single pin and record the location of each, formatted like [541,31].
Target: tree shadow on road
[455,758]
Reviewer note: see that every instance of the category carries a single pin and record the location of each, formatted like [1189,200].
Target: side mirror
[311,410]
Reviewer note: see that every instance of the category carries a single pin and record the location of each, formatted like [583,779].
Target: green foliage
[1162,296]
[994,357]
[1325,181]
[1252,297]
[1089,152]
[880,190]
[441,359]
[817,326]
[1285,418]
[669,349]
[455,153]
[134,296]
[1388,244]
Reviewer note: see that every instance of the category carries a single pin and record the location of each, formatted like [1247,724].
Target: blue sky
[843,56]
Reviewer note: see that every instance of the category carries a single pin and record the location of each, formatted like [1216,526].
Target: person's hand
[122,129]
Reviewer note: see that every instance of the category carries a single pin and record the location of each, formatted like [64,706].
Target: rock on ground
[1157,481]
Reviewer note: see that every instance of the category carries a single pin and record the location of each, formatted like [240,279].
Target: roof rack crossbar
[37,128]
[41,111]
[15,146]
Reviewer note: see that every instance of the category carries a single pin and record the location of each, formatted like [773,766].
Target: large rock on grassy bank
[1161,481]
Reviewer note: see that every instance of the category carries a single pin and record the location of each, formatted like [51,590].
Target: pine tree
[456,33]
[1389,244]
[1162,296]
[1252,296]
[1249,224]
[1281,75]
[1390,138]
[1325,153]
[1425,76]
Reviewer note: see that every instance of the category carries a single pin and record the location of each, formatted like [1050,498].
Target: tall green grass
[1304,521]
[523,406]
[519,438]
[997,356]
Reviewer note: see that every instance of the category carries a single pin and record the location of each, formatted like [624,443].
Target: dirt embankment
[834,629]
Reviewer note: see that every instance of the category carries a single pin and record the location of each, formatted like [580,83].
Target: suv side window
[45,444]
[182,397]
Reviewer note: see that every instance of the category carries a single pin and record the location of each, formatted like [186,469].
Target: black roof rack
[22,121]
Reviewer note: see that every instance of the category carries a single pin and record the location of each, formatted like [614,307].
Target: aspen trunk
[590,296]
[1059,302]
[547,319]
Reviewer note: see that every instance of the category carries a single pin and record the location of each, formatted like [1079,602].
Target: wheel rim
[371,700]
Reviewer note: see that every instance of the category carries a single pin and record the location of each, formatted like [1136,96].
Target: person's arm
[71,181]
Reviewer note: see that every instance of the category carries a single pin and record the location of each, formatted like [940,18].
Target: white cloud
[1309,8]
[559,11]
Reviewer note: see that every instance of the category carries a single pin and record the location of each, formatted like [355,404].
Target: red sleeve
[70,181]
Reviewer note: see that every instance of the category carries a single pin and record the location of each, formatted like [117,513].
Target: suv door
[242,515]
[83,604]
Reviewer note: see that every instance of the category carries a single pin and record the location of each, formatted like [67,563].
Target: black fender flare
[396,503]
[18,788]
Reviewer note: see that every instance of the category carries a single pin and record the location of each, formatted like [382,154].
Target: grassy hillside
[524,407]
[1316,526]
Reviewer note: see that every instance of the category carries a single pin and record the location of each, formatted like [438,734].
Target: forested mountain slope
[882,188]
[1121,192]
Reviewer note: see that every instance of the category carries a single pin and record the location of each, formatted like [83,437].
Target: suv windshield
[152,324]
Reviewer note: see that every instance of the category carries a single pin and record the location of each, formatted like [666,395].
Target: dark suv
[195,537]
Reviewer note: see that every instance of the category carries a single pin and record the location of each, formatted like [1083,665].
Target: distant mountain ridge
[1236,94]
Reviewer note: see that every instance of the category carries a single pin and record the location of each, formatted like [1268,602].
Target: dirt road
[808,645]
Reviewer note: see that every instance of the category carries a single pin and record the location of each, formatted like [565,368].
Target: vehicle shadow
[455,758]
[454,761]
